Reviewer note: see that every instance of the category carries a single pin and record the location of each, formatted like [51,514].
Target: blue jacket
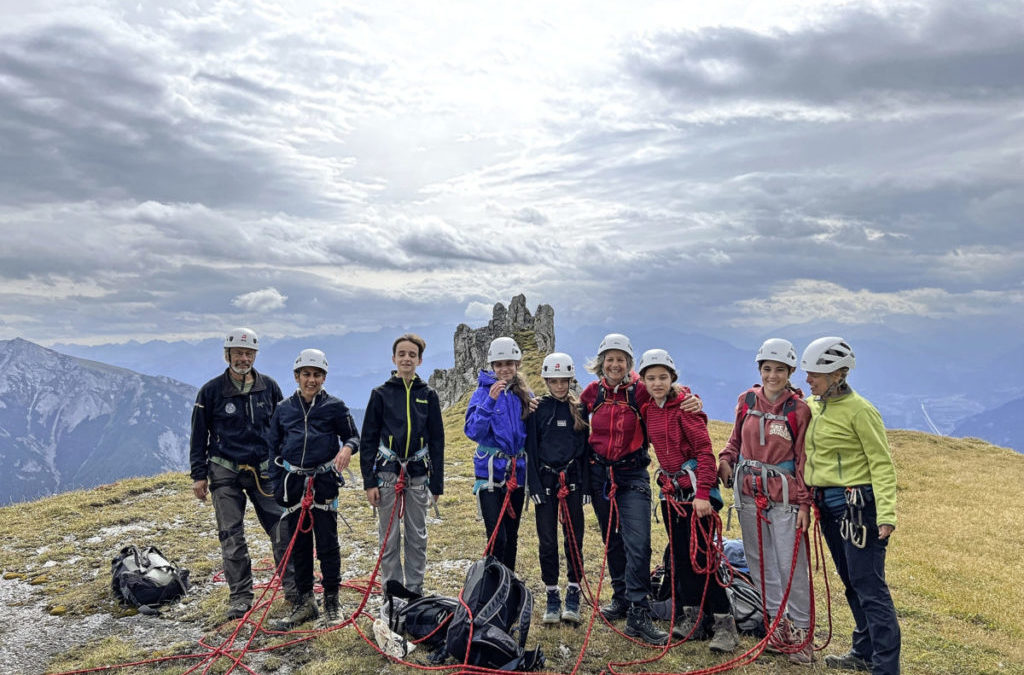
[309,435]
[496,425]
[229,424]
[553,443]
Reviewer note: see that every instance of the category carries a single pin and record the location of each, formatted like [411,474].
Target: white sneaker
[391,643]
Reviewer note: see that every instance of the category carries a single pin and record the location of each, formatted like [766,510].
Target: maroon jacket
[678,436]
[779,447]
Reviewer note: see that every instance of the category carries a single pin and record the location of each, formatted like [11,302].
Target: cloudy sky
[170,169]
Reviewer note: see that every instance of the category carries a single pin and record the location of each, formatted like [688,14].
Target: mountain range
[67,422]
[942,384]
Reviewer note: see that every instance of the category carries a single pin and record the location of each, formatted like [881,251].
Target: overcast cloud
[170,170]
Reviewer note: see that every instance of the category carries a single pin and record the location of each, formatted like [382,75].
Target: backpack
[501,607]
[144,578]
[788,412]
[745,600]
[425,620]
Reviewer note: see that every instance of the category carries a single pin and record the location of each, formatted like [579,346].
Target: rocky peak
[471,345]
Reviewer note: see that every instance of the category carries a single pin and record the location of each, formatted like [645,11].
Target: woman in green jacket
[849,467]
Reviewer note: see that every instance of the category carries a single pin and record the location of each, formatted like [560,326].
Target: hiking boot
[237,610]
[331,608]
[639,625]
[615,610]
[685,621]
[302,611]
[847,661]
[571,613]
[803,656]
[780,637]
[553,611]
[726,638]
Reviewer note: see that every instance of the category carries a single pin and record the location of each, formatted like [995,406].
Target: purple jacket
[496,425]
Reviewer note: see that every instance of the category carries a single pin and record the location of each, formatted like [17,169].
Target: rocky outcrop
[471,345]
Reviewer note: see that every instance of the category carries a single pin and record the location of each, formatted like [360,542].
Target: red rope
[709,536]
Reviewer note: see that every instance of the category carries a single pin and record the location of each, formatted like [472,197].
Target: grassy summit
[952,566]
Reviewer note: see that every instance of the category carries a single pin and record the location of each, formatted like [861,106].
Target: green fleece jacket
[846,445]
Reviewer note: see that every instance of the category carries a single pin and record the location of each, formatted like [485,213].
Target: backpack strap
[630,398]
[788,415]
[500,597]
[522,626]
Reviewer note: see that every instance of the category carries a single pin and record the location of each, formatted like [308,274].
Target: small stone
[41,579]
[59,610]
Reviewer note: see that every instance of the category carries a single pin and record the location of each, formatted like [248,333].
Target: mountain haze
[68,423]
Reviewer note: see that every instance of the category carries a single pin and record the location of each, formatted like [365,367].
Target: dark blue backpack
[501,606]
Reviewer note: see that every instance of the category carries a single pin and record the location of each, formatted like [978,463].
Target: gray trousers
[777,539]
[228,491]
[414,525]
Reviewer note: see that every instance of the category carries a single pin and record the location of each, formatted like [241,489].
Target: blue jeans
[629,547]
[876,637]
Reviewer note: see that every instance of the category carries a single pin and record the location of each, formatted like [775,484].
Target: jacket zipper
[408,416]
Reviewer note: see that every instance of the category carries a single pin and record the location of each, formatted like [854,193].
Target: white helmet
[242,337]
[827,355]
[657,357]
[615,341]
[504,349]
[557,365]
[311,358]
[777,349]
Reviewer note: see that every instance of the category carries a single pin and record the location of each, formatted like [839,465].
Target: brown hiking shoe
[804,656]
[726,638]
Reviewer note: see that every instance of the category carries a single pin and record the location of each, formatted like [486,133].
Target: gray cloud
[937,51]
[179,171]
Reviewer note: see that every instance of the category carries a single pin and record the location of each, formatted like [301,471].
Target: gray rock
[471,344]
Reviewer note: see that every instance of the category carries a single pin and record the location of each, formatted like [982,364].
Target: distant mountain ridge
[68,423]
[933,383]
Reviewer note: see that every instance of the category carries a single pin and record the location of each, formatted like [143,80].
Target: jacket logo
[562,423]
[230,408]
[779,429]
[420,400]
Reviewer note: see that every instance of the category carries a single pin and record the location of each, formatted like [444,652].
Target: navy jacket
[308,435]
[551,441]
[404,419]
[227,423]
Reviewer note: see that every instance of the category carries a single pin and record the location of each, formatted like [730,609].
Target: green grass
[951,566]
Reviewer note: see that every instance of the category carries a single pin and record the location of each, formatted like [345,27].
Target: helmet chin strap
[836,388]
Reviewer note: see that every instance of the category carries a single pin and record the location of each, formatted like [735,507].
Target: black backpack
[144,578]
[501,606]
[425,619]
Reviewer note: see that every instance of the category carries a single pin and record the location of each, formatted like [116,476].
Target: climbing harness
[309,475]
[259,473]
[386,456]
